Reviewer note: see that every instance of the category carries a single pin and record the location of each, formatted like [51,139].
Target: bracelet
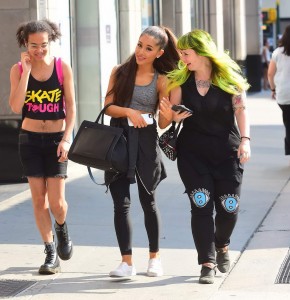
[246,137]
[273,90]
[67,141]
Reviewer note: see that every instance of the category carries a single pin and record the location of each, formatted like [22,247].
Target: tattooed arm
[241,114]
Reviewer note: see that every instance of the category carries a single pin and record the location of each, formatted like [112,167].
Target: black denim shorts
[38,154]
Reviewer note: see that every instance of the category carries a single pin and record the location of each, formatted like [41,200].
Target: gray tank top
[145,97]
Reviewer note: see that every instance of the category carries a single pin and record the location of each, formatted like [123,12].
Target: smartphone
[181,108]
[147,117]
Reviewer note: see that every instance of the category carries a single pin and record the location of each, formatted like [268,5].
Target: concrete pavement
[259,243]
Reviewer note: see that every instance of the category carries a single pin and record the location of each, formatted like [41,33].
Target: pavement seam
[255,231]
[14,200]
[267,213]
[26,195]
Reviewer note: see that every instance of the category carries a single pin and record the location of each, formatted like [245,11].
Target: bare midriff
[43,125]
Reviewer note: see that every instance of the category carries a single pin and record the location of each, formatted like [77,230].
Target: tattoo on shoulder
[238,102]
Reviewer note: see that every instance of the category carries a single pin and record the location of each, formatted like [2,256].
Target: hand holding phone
[147,117]
[181,108]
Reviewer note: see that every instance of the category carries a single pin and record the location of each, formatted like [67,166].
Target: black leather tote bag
[100,146]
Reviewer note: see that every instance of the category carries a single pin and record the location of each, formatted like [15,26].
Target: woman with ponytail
[213,144]
[135,88]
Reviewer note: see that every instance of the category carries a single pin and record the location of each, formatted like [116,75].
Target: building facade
[98,34]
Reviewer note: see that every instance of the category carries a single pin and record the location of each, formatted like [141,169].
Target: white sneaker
[123,270]
[154,267]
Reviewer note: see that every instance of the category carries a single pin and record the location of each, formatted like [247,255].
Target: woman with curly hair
[213,144]
[42,90]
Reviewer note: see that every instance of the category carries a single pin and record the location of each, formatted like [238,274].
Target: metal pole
[278,21]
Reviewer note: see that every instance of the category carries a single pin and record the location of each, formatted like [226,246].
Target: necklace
[204,84]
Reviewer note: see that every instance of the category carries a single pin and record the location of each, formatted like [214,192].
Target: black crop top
[44,99]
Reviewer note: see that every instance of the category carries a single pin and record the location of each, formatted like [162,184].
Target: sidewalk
[259,243]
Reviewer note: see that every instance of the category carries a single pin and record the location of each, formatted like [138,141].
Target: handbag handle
[176,131]
[101,115]
[102,112]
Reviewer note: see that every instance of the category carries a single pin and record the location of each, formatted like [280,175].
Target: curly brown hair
[25,29]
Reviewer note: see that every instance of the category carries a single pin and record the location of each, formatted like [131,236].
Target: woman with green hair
[213,144]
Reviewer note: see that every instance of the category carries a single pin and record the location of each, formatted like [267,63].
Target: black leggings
[120,191]
[207,194]
[286,120]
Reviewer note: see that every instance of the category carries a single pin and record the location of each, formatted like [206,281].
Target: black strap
[132,142]
[100,116]
[92,177]
[178,128]
[106,184]
[102,112]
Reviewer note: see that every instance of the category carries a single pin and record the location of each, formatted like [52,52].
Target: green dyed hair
[226,73]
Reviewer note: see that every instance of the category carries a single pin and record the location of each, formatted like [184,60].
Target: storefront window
[147,13]
[193,14]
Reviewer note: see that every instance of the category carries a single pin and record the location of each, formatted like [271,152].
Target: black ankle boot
[51,264]
[64,243]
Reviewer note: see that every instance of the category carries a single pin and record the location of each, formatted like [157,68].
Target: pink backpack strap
[20,67]
[59,70]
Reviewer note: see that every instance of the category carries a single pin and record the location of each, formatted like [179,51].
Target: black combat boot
[51,264]
[64,243]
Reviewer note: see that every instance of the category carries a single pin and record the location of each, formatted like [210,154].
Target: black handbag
[167,141]
[100,146]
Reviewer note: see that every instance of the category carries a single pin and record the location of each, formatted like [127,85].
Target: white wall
[58,12]
[108,41]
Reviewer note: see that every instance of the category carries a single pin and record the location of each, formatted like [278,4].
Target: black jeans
[120,191]
[286,120]
[209,197]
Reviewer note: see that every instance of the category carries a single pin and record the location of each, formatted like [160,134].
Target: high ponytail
[169,59]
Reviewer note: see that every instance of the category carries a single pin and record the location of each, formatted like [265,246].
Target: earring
[157,56]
